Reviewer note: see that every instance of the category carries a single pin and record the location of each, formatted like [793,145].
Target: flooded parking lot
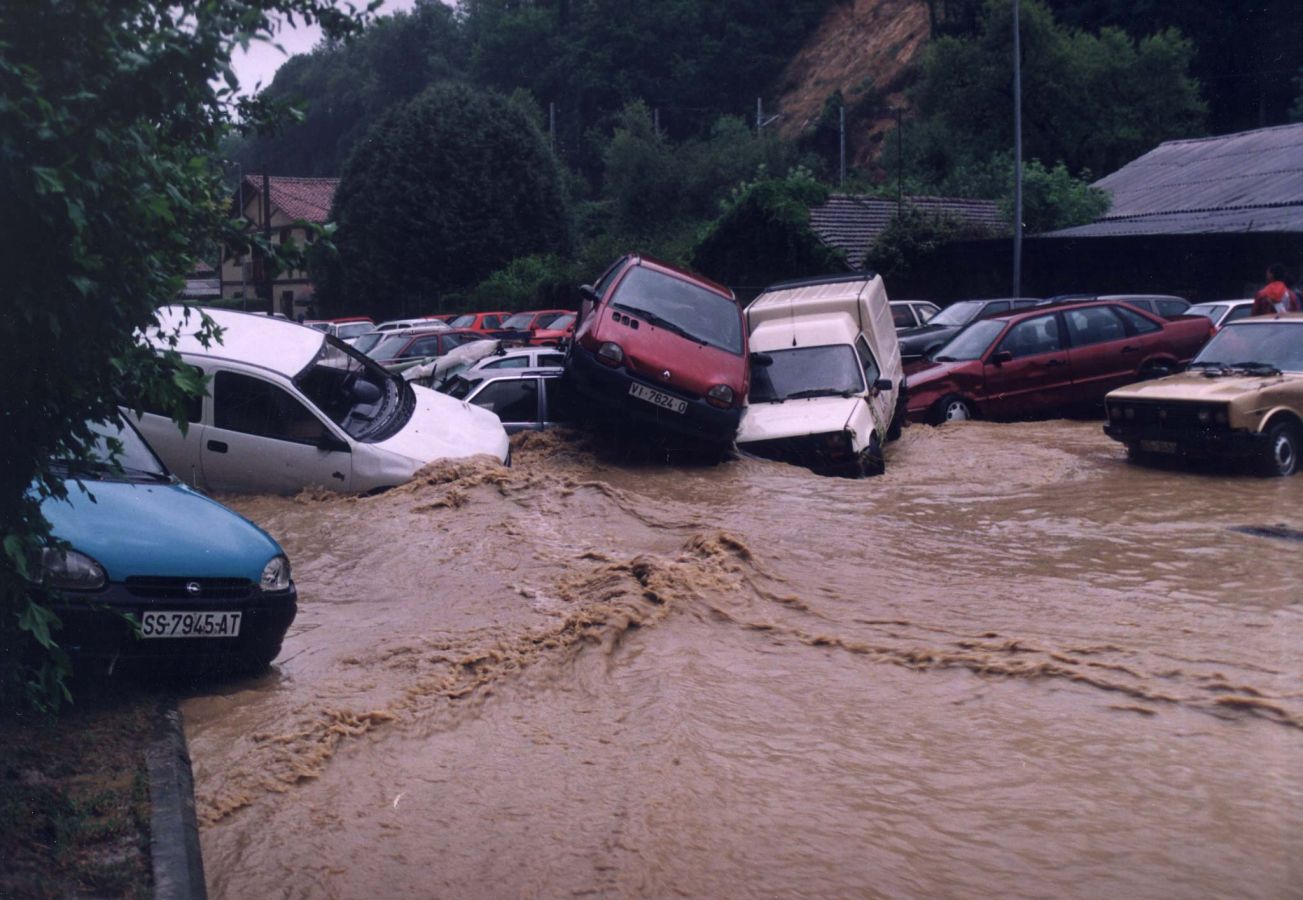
[1015,664]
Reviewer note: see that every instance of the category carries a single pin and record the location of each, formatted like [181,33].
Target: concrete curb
[173,829]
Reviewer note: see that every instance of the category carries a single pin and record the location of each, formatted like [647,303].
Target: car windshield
[135,460]
[356,394]
[970,343]
[366,342]
[519,322]
[682,307]
[1212,311]
[807,372]
[561,323]
[1277,345]
[960,313]
[391,345]
[353,329]
[467,321]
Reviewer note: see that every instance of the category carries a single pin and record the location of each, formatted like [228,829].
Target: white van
[289,407]
[827,390]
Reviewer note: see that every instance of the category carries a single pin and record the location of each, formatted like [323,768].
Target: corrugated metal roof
[1250,181]
[852,222]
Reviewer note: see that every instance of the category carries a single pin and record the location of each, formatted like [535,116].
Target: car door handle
[218,446]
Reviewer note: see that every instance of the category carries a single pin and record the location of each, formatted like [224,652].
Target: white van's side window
[253,406]
[871,371]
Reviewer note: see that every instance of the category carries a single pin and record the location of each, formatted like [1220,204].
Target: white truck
[827,389]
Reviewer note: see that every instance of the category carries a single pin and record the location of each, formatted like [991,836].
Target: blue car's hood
[159,529]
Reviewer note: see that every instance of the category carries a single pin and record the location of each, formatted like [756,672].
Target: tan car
[1241,398]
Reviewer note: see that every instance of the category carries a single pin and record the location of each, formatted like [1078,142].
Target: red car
[663,347]
[409,345]
[521,326]
[559,329]
[480,321]
[1047,358]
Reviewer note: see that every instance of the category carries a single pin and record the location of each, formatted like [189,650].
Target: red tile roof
[299,198]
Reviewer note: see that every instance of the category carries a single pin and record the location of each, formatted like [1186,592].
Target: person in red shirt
[1276,296]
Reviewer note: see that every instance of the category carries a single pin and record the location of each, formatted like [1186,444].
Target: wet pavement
[1016,664]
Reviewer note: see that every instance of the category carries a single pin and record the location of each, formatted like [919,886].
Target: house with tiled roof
[285,208]
[851,222]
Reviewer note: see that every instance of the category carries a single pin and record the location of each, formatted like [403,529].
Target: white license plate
[656,398]
[1158,446]
[190,624]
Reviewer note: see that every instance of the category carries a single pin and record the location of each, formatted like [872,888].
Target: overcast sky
[262,60]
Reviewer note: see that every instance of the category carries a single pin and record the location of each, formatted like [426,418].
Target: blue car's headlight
[276,575]
[69,570]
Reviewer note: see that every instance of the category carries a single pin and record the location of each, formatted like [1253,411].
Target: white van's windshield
[679,306]
[807,372]
[359,396]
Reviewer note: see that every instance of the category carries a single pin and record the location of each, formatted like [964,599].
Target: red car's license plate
[656,398]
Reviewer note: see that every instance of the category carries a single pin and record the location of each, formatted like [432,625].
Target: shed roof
[298,198]
[1243,182]
[851,222]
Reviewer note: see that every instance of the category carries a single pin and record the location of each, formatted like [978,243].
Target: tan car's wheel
[1281,454]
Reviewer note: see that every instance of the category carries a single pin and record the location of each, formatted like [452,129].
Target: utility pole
[761,121]
[244,290]
[900,160]
[551,124]
[266,236]
[1017,155]
[842,141]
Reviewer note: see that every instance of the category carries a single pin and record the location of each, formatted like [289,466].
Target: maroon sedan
[1044,359]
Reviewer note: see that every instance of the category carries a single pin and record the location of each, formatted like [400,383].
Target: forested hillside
[651,108]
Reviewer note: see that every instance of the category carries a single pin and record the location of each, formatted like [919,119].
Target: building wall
[292,292]
[1197,267]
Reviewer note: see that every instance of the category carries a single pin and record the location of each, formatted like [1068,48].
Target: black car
[916,343]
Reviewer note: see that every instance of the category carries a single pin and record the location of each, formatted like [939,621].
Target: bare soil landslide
[1014,665]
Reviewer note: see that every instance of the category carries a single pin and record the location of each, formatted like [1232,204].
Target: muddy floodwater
[1015,665]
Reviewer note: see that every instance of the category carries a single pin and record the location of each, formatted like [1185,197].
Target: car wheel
[1281,454]
[952,408]
[872,461]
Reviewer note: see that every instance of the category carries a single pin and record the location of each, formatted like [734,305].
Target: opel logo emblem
[665,376]
[192,588]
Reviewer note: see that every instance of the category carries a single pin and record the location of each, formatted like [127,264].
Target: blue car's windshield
[134,458]
[681,307]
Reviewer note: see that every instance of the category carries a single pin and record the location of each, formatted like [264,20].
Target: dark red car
[663,347]
[558,330]
[415,344]
[522,326]
[1044,359]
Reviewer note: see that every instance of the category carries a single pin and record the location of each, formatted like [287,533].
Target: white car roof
[272,343]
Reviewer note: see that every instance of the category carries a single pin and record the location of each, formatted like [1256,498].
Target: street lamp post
[1017,155]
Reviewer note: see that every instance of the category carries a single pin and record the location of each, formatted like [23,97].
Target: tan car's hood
[1196,387]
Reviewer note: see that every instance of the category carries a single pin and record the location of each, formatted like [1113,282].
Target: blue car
[200,583]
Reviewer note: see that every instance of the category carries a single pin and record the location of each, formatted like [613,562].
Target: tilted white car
[827,390]
[289,407]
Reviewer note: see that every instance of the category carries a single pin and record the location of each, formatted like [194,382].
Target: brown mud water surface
[1015,665]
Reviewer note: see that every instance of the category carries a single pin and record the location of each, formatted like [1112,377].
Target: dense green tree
[912,239]
[1091,101]
[109,115]
[764,236]
[1053,199]
[341,90]
[446,189]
